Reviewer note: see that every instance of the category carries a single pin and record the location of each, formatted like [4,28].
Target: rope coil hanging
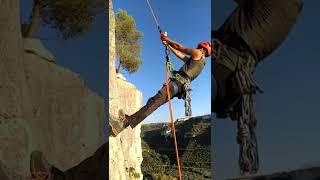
[243,111]
[169,68]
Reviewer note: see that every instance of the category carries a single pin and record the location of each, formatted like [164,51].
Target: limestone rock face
[42,106]
[65,117]
[58,115]
[125,150]
[125,153]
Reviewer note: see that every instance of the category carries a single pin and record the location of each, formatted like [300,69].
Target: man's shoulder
[196,54]
[196,51]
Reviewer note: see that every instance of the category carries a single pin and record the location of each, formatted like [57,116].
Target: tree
[128,48]
[70,17]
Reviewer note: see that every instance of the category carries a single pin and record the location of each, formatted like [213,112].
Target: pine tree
[128,47]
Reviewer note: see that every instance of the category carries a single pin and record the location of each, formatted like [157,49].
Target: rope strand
[172,122]
[168,92]
[154,16]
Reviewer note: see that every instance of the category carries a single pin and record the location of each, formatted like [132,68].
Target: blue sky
[288,119]
[184,24]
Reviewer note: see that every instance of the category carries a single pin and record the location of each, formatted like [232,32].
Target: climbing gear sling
[169,69]
[245,114]
[242,109]
[186,91]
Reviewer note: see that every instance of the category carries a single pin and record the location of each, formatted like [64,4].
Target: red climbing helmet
[207,46]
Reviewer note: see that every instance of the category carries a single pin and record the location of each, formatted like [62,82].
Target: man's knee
[161,94]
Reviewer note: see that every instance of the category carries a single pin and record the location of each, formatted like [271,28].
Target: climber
[192,67]
[251,33]
[94,167]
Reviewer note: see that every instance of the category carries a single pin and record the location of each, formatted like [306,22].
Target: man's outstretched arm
[175,45]
[194,53]
[177,53]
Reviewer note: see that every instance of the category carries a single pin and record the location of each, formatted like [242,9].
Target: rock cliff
[42,105]
[125,154]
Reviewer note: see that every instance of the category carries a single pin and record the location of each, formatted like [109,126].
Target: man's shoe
[118,124]
[40,169]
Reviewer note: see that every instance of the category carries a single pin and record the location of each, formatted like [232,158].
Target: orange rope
[169,100]
[172,122]
[154,16]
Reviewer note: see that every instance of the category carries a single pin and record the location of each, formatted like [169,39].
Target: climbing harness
[174,76]
[187,99]
[186,92]
[169,68]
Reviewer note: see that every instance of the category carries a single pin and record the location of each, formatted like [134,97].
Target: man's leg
[154,102]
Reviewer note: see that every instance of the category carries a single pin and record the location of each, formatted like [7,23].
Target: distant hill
[194,142]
